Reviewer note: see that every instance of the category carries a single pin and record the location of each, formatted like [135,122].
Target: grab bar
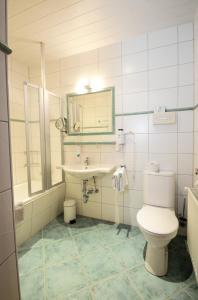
[5,49]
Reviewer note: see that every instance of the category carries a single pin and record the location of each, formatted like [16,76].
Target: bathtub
[39,210]
[21,192]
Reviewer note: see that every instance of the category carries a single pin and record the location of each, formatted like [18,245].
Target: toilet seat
[157,220]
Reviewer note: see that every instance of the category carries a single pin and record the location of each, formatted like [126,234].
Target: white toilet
[157,219]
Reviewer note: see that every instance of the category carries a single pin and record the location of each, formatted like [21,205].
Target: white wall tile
[163,143]
[114,81]
[162,37]
[118,104]
[185,143]
[186,76]
[163,57]
[109,196]
[134,44]
[133,198]
[112,158]
[168,162]
[70,62]
[130,216]
[183,181]
[109,213]
[136,143]
[186,52]
[135,102]
[134,83]
[163,97]
[185,96]
[135,180]
[136,123]
[109,52]
[90,57]
[135,161]
[185,121]
[134,63]
[91,209]
[163,78]
[111,67]
[74,191]
[185,32]
[185,164]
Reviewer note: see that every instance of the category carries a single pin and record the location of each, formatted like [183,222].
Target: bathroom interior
[100,138]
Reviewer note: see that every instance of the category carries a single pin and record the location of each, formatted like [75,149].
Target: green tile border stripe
[152,111]
[89,143]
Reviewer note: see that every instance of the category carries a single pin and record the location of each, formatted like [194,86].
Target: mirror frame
[112,89]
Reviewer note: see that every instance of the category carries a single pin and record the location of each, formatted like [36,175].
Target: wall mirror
[91,113]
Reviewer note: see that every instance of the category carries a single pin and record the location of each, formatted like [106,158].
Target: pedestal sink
[86,172]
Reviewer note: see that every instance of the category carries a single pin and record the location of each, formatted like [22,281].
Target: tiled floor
[96,260]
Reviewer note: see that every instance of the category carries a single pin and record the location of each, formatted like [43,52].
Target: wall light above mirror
[91,113]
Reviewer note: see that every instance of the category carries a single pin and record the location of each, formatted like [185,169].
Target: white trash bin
[70,211]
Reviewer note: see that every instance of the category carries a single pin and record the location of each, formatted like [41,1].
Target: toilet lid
[157,220]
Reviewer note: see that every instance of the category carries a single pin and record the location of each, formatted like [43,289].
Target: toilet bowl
[159,226]
[157,220]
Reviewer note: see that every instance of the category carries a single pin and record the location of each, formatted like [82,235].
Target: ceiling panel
[68,27]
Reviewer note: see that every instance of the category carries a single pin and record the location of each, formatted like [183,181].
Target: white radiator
[192,228]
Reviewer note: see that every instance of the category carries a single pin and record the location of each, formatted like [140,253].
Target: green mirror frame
[112,89]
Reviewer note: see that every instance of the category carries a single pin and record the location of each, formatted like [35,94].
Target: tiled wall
[196,97]
[9,289]
[17,74]
[154,69]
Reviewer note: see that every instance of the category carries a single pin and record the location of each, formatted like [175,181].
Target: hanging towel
[120,179]
[19,212]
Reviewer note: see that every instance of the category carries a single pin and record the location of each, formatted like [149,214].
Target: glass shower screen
[44,141]
[34,151]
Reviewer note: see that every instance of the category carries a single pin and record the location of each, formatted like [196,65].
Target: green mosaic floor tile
[29,260]
[150,286]
[82,225]
[181,296]
[88,241]
[129,253]
[192,290]
[100,264]
[64,278]
[55,234]
[81,295]
[92,255]
[116,288]
[32,285]
[60,251]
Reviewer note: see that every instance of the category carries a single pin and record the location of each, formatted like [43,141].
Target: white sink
[89,171]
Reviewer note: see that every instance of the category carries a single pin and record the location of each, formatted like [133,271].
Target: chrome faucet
[86,162]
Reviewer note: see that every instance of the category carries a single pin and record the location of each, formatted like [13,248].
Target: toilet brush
[182,219]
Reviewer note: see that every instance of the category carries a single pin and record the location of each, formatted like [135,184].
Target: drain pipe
[87,192]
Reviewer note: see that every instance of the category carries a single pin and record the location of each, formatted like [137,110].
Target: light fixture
[86,85]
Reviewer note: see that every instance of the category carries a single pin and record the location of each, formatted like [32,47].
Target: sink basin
[83,172]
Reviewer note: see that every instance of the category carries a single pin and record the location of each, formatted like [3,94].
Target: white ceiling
[68,27]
